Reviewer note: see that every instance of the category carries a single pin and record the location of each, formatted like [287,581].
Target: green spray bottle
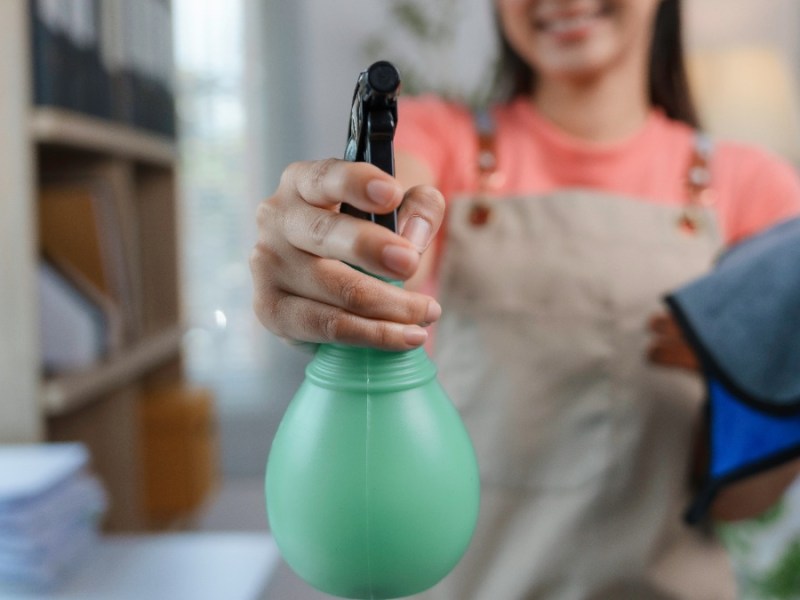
[372,482]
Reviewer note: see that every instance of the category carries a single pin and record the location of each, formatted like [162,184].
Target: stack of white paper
[50,509]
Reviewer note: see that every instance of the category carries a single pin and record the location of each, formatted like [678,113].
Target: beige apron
[584,447]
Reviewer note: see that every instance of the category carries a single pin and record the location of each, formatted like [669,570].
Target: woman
[571,209]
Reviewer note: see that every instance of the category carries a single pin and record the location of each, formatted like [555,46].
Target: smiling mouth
[569,20]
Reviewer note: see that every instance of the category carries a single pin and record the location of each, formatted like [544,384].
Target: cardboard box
[180,450]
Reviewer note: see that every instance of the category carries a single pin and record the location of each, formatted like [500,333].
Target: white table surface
[183,566]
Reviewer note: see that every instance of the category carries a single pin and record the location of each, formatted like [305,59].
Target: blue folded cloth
[743,321]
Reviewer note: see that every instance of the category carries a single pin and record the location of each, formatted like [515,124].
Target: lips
[565,18]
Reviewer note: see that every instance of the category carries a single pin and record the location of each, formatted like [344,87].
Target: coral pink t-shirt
[752,189]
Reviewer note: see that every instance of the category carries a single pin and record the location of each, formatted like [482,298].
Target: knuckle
[268,299]
[264,212]
[272,216]
[382,335]
[360,244]
[264,307]
[263,259]
[256,259]
[257,253]
[277,314]
[332,326]
[427,199]
[365,239]
[321,226]
[441,203]
[290,174]
[321,171]
[327,325]
[418,311]
[354,294]
[433,197]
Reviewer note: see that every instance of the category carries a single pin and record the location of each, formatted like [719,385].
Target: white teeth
[562,25]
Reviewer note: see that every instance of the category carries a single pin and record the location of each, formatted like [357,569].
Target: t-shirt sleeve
[440,134]
[765,189]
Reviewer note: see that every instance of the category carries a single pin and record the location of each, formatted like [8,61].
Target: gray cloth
[743,318]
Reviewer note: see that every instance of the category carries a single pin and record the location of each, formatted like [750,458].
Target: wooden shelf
[64,394]
[132,173]
[63,127]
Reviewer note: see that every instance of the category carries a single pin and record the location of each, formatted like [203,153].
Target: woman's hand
[304,291]
[669,347]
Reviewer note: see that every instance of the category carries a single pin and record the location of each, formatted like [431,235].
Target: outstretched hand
[306,290]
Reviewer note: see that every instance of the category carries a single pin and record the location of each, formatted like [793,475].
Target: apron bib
[584,446]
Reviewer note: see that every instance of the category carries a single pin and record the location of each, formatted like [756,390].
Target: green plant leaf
[413,18]
[782,582]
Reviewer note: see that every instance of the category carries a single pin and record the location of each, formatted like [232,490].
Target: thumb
[420,215]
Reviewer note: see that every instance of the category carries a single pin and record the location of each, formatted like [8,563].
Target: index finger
[327,183]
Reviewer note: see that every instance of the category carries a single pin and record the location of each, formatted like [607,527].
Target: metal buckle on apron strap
[490,178]
[698,183]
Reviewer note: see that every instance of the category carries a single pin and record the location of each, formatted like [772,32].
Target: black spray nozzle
[373,120]
[384,79]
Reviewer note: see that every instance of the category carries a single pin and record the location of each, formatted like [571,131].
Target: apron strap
[489,177]
[698,176]
[698,184]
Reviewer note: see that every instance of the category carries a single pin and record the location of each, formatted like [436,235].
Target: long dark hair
[668,83]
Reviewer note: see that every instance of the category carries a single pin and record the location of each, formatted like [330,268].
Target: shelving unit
[66,394]
[63,127]
[97,406]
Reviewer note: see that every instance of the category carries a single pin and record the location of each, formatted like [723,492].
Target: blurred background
[138,138]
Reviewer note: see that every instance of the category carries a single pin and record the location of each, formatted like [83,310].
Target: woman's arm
[752,496]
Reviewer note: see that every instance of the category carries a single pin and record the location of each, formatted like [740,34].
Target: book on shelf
[78,325]
[109,59]
[67,68]
[147,68]
[81,231]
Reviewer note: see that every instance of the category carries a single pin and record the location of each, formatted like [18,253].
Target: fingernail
[382,192]
[418,232]
[434,312]
[399,259]
[414,336]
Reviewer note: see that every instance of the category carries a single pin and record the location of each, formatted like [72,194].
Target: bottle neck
[350,368]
